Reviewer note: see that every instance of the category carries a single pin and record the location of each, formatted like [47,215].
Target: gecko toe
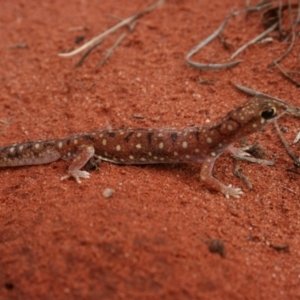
[233,192]
[65,177]
[77,174]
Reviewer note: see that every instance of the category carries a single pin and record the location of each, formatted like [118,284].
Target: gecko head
[252,116]
[259,111]
[270,109]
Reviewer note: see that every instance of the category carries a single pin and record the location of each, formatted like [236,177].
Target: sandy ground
[150,240]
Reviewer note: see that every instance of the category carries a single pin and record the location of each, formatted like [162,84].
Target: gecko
[137,146]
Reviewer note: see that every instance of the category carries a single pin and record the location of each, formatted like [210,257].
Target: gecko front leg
[82,157]
[213,183]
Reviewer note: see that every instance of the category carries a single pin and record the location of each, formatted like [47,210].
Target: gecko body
[153,145]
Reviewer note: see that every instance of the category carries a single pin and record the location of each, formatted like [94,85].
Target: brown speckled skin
[153,145]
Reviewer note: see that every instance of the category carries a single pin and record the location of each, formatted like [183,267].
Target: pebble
[108,192]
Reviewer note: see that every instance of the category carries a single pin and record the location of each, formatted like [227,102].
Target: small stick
[207,82]
[253,92]
[240,175]
[290,190]
[293,171]
[18,45]
[279,247]
[253,41]
[112,49]
[277,60]
[205,42]
[131,26]
[98,38]
[298,16]
[279,17]
[297,138]
[254,160]
[286,74]
[86,54]
[287,147]
[253,8]
[136,116]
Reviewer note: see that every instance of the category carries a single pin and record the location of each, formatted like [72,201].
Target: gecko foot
[77,175]
[239,152]
[233,192]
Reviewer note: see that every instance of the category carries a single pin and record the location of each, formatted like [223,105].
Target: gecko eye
[268,114]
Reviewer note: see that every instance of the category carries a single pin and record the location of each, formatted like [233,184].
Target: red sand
[61,240]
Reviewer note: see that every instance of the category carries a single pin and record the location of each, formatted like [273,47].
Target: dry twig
[17,46]
[277,60]
[100,37]
[287,147]
[297,138]
[205,42]
[86,54]
[240,175]
[286,74]
[254,160]
[111,50]
[253,92]
[253,41]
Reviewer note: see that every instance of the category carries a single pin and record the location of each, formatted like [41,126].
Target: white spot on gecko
[184,144]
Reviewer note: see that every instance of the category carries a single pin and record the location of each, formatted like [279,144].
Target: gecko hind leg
[83,156]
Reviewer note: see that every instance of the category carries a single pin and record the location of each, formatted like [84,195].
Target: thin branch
[298,15]
[240,175]
[125,22]
[254,160]
[254,93]
[18,45]
[292,171]
[205,42]
[253,8]
[86,54]
[253,41]
[284,187]
[112,49]
[287,147]
[279,12]
[285,74]
[297,138]
[277,60]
